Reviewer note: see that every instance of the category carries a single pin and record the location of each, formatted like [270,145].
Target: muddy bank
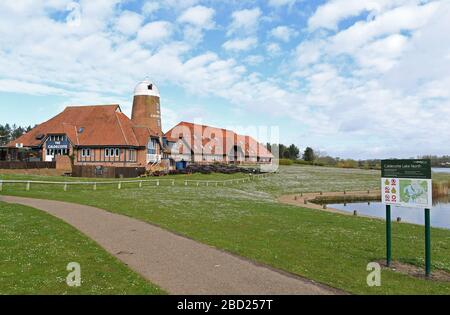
[319,200]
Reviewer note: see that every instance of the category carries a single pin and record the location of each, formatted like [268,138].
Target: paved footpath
[177,264]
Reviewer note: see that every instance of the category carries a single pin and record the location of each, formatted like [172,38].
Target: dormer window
[150,87]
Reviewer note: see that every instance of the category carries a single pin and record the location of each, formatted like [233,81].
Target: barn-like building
[102,135]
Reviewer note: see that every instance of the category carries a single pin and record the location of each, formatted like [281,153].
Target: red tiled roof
[211,140]
[103,125]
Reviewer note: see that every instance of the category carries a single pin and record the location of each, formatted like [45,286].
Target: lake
[440,213]
[441,170]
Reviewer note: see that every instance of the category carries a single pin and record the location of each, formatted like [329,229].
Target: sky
[351,78]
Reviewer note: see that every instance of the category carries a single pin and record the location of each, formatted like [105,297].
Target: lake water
[441,170]
[440,213]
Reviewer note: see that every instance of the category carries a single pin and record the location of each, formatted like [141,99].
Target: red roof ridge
[104,105]
[121,129]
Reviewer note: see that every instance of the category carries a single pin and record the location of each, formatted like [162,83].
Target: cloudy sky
[354,78]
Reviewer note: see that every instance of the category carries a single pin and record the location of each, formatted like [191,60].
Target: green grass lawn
[35,249]
[246,219]
[179,178]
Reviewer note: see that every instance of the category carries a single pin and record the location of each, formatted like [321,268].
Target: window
[151,147]
[112,152]
[86,153]
[132,155]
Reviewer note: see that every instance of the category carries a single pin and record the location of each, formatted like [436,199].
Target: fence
[26,165]
[107,171]
[28,184]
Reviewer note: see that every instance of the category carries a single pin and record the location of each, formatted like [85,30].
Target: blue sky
[352,78]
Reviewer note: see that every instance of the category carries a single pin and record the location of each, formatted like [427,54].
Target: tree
[308,155]
[293,151]
[282,150]
[9,133]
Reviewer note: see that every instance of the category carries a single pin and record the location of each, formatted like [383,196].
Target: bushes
[286,162]
[302,162]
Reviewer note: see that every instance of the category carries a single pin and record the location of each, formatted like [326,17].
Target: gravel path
[177,264]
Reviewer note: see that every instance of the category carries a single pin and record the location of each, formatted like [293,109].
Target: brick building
[103,135]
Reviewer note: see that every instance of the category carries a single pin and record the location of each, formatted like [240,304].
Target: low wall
[107,171]
[17,165]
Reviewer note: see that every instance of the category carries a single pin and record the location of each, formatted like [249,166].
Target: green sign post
[407,183]
[388,236]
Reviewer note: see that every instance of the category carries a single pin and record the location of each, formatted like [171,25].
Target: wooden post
[140,184]
[28,186]
[157,183]
[185,183]
[1,185]
[95,186]
[65,186]
[173,182]
[120,185]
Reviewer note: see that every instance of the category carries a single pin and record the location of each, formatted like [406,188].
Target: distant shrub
[347,164]
[302,162]
[286,162]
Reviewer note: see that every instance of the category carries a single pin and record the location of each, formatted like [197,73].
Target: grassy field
[35,249]
[246,219]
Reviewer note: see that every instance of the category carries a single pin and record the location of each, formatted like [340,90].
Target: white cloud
[29,88]
[399,19]
[254,60]
[155,32]
[245,21]
[240,44]
[198,16]
[280,3]
[331,13]
[177,5]
[382,54]
[150,7]
[273,48]
[283,33]
[309,52]
[129,23]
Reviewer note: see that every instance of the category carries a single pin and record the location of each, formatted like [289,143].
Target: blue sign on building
[57,145]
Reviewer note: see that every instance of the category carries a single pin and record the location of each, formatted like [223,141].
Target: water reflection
[440,212]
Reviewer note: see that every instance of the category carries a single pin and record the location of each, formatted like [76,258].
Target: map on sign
[414,191]
[407,183]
